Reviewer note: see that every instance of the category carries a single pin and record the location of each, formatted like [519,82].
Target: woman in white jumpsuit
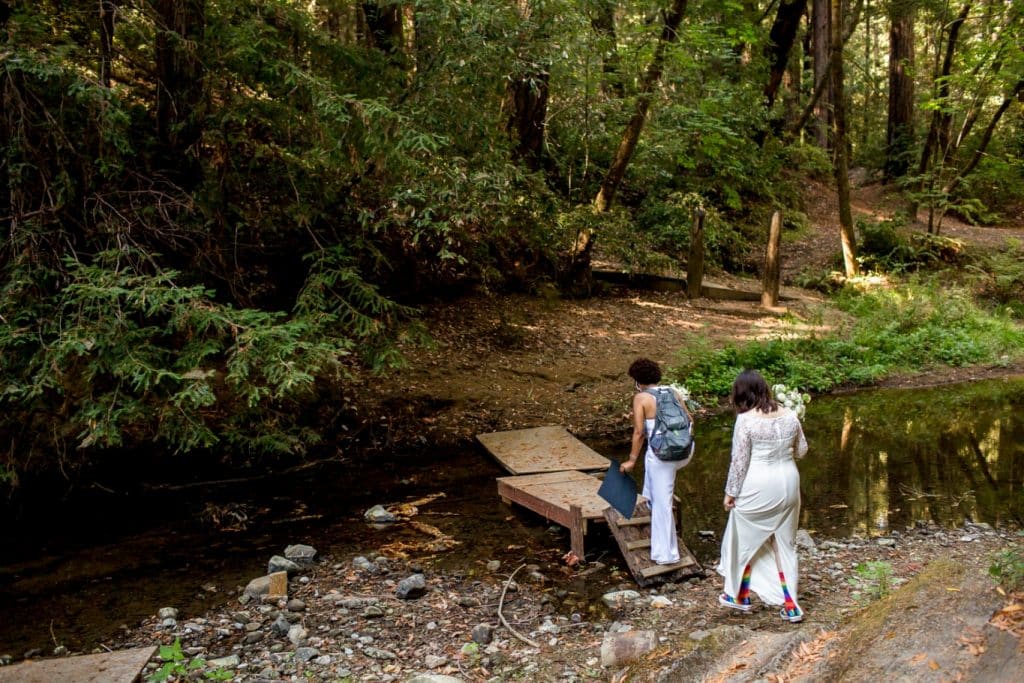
[659,475]
[762,495]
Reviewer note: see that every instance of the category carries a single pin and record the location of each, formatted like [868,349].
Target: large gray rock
[256,589]
[411,587]
[282,564]
[619,599]
[302,554]
[378,514]
[804,540]
[619,648]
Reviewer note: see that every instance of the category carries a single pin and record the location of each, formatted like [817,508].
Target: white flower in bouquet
[792,399]
[685,393]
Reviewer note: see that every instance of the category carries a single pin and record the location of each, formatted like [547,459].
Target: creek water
[879,461]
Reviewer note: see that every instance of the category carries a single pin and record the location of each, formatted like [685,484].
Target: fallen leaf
[917,659]
[933,665]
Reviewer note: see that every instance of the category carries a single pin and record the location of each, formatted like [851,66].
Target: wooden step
[639,543]
[635,521]
[656,569]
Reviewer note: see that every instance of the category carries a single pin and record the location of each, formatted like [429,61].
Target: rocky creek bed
[391,619]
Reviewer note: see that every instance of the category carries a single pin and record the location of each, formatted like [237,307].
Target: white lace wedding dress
[762,527]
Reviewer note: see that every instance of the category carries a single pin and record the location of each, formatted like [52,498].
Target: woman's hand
[627,466]
[729,502]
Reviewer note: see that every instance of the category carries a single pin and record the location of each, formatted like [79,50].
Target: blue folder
[619,490]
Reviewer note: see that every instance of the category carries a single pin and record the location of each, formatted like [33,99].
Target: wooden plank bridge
[557,476]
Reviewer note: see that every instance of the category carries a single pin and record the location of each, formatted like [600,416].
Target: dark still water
[878,460]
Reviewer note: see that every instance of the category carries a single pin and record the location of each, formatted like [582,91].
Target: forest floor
[509,362]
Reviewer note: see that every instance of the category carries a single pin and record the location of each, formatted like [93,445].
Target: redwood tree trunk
[181,25]
[780,42]
[821,39]
[108,8]
[899,133]
[526,99]
[839,146]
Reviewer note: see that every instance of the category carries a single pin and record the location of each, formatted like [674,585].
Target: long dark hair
[750,391]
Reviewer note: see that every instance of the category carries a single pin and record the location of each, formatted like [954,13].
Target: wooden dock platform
[555,477]
[541,449]
[568,498]
[120,666]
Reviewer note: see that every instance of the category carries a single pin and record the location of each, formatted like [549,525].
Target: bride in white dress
[762,495]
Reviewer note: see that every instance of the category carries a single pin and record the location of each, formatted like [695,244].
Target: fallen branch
[501,616]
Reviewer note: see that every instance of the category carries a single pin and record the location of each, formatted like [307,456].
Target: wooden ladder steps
[634,538]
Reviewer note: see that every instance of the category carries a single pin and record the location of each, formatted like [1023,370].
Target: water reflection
[884,459]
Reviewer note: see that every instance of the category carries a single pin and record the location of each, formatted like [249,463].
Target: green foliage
[905,327]
[1007,569]
[999,278]
[126,355]
[873,579]
[176,667]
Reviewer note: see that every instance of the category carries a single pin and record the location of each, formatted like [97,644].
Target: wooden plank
[121,666]
[541,449]
[656,569]
[636,521]
[639,543]
[555,493]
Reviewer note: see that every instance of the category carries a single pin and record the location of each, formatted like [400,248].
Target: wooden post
[695,261]
[577,531]
[770,284]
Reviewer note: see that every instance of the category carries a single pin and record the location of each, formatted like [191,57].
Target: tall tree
[602,20]
[899,131]
[526,100]
[938,129]
[780,42]
[669,34]
[821,23]
[839,147]
[108,9]
[180,27]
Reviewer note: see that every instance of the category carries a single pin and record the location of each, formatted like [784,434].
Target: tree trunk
[839,147]
[108,8]
[899,132]
[627,145]
[772,267]
[780,42]
[932,141]
[695,261]
[603,23]
[526,98]
[181,25]
[821,40]
[384,28]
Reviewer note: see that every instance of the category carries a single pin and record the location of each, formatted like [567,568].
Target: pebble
[304,654]
[886,542]
[167,613]
[296,605]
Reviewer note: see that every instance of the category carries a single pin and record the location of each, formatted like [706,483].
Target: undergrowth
[909,326]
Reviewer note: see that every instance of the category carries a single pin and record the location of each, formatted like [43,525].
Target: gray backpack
[671,439]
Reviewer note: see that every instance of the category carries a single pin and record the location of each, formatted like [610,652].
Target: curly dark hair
[645,371]
[749,391]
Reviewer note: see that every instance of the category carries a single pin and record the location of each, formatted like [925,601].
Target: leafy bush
[999,278]
[906,327]
[873,578]
[125,355]
[887,246]
[1008,569]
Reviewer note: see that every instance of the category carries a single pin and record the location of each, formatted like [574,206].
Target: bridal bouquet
[792,399]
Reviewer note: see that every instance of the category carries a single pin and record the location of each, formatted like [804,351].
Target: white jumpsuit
[766,484]
[659,487]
